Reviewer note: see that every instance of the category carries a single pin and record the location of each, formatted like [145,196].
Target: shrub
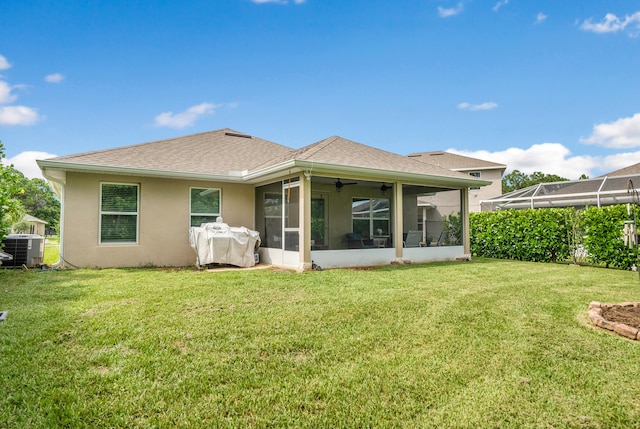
[554,234]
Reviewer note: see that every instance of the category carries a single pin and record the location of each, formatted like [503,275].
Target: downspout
[60,262]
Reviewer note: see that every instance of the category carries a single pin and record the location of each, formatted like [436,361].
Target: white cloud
[623,133]
[5,93]
[4,64]
[186,118]
[54,78]
[447,12]
[25,162]
[619,160]
[499,5]
[612,24]
[18,115]
[541,17]
[473,107]
[549,158]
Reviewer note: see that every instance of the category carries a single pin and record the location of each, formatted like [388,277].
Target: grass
[480,344]
[51,249]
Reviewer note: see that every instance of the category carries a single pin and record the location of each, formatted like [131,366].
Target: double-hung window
[119,205]
[204,205]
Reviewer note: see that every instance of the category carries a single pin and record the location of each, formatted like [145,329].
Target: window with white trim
[204,205]
[119,203]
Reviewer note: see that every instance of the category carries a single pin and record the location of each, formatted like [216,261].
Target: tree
[39,200]
[519,180]
[11,209]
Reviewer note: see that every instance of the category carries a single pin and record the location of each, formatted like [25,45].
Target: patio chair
[355,241]
[413,239]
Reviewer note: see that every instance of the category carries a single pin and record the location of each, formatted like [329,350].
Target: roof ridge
[316,147]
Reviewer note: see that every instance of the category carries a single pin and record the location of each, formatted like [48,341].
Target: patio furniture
[355,241]
[413,239]
[380,240]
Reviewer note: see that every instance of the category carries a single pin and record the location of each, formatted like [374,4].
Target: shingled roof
[339,151]
[455,162]
[626,171]
[213,153]
[230,155]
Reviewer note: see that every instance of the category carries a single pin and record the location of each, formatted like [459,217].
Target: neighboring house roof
[29,218]
[626,171]
[228,155]
[456,162]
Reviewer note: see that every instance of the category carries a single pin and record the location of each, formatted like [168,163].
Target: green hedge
[555,234]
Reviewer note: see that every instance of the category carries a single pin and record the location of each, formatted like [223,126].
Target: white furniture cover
[218,243]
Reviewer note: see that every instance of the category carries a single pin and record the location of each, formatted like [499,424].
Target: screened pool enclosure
[600,191]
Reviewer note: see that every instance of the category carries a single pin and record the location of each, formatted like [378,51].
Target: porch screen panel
[272,206]
[318,220]
[292,218]
[380,216]
[119,213]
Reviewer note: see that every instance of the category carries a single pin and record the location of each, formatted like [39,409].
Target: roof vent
[244,136]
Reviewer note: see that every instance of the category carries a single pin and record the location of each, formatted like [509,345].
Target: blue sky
[540,86]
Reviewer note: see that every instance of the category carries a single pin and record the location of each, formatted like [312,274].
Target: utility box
[26,249]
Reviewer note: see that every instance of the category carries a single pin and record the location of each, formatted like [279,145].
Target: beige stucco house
[34,225]
[336,202]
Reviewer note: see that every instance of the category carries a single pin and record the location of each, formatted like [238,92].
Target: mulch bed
[628,315]
[623,318]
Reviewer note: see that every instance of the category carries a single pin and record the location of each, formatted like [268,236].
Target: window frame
[116,213]
[213,215]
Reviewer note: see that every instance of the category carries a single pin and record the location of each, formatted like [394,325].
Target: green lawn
[51,250]
[468,344]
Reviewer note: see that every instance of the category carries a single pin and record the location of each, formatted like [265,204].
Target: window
[475,174]
[204,205]
[119,204]
[370,216]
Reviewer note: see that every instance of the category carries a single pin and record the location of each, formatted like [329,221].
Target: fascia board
[495,167]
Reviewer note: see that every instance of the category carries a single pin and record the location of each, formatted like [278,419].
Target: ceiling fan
[339,184]
[384,188]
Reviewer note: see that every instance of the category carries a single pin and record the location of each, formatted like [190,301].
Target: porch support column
[305,223]
[464,218]
[397,221]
